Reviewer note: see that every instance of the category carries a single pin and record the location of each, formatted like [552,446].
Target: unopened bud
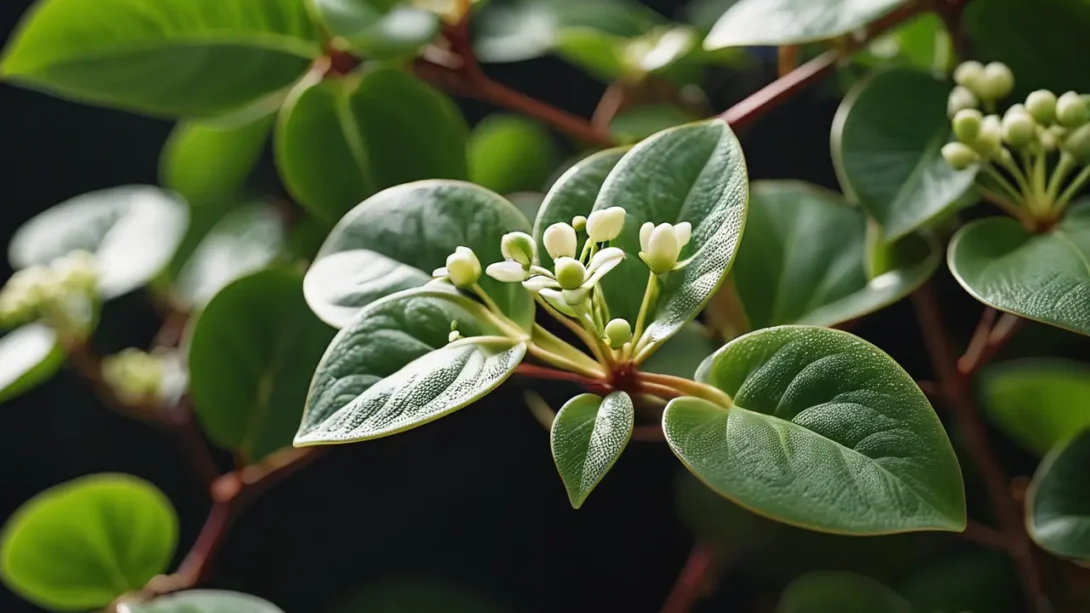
[605,225]
[453,336]
[959,155]
[1077,143]
[1019,129]
[661,245]
[518,246]
[1042,105]
[967,125]
[560,240]
[960,99]
[579,223]
[618,331]
[970,75]
[1071,112]
[998,81]
[991,136]
[463,267]
[570,273]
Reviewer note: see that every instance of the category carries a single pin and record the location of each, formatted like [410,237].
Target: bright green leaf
[921,43]
[378,33]
[788,22]
[168,57]
[392,369]
[1043,277]
[82,544]
[588,436]
[600,54]
[886,145]
[1058,503]
[1041,403]
[826,432]
[840,592]
[132,231]
[209,163]
[28,356]
[509,153]
[251,355]
[202,601]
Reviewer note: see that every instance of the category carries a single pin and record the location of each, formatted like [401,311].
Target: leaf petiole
[687,387]
[649,295]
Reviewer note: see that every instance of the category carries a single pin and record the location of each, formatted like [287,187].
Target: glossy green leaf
[132,231]
[83,543]
[921,43]
[375,29]
[251,355]
[826,432]
[29,356]
[1041,403]
[202,601]
[1044,277]
[600,54]
[684,352]
[588,436]
[169,57]
[1058,503]
[508,153]
[396,238]
[244,241]
[802,260]
[339,140]
[209,163]
[392,368]
[840,592]
[636,124]
[788,22]
[886,145]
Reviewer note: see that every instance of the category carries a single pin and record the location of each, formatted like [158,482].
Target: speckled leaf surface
[588,435]
[785,22]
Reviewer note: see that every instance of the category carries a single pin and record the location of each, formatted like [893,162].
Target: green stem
[1064,168]
[487,300]
[550,342]
[649,295]
[1004,184]
[688,387]
[1072,190]
[562,362]
[1038,204]
[1002,202]
[1020,177]
[578,330]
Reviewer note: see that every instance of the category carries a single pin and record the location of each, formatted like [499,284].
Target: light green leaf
[886,143]
[921,43]
[509,153]
[788,22]
[82,544]
[209,163]
[1043,277]
[244,241]
[840,592]
[684,352]
[340,140]
[202,601]
[600,54]
[802,260]
[400,235]
[29,356]
[826,432]
[1058,502]
[169,57]
[132,231]
[588,436]
[251,355]
[375,29]
[1041,403]
[392,369]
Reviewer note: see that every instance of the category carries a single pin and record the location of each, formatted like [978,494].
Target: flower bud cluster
[136,377]
[61,294]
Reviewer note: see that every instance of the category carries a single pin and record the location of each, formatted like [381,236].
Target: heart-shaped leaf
[825,432]
[341,140]
[377,30]
[588,435]
[251,355]
[886,144]
[1058,502]
[509,153]
[392,367]
[405,233]
[1043,277]
[788,22]
[840,592]
[170,57]
[202,601]
[802,260]
[28,356]
[1041,403]
[209,163]
[132,231]
[82,544]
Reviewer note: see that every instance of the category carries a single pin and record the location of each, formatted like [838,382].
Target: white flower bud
[508,272]
[970,75]
[959,155]
[579,222]
[618,331]
[1042,105]
[990,138]
[520,247]
[661,245]
[463,267]
[560,240]
[1077,143]
[605,225]
[1019,128]
[453,336]
[570,273]
[960,99]
[998,81]
[966,125]
[77,271]
[134,376]
[1071,111]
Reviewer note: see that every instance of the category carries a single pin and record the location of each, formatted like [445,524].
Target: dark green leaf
[786,22]
[171,57]
[588,436]
[203,601]
[840,592]
[28,356]
[1058,503]
[1041,403]
[826,432]
[508,153]
[82,544]
[209,163]
[251,355]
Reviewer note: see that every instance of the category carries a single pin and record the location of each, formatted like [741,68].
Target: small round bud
[618,331]
[463,267]
[560,240]
[518,246]
[998,81]
[967,125]
[605,225]
[1019,129]
[570,273]
[1042,105]
[579,223]
[991,136]
[1047,138]
[453,336]
[1077,143]
[959,155]
[970,75]
[960,99]
[661,246]
[1071,112]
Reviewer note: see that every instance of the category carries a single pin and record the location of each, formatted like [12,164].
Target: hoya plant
[622,276]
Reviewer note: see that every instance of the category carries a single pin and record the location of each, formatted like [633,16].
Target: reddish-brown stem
[195,567]
[648,433]
[544,372]
[692,580]
[989,338]
[612,101]
[987,537]
[787,59]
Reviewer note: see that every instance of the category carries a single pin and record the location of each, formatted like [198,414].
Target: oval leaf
[886,144]
[826,432]
[209,163]
[788,22]
[1043,277]
[1040,403]
[171,57]
[508,153]
[392,368]
[840,592]
[82,544]
[588,435]
[251,355]
[28,356]
[340,284]
[1058,503]
[367,26]
[132,231]
[202,601]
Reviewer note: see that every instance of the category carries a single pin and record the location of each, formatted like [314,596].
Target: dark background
[473,503]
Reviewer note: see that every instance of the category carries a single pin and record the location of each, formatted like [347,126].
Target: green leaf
[788,22]
[636,124]
[600,54]
[132,231]
[396,238]
[886,144]
[588,436]
[29,356]
[244,241]
[826,432]
[169,57]
[340,140]
[1041,403]
[392,369]
[684,352]
[251,355]
[840,592]
[367,26]
[83,543]
[508,153]
[1058,502]
[209,163]
[802,260]
[694,173]
[1043,277]
[921,43]
[204,601]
